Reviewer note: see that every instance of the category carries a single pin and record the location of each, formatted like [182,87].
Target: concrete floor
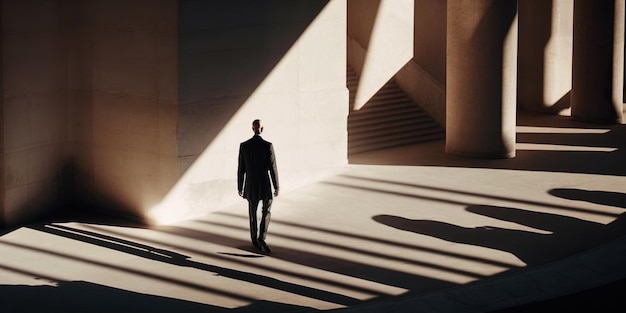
[410,228]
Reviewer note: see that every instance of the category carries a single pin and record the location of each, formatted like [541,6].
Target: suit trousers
[260,232]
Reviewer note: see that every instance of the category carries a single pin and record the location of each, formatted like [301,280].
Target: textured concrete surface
[35,125]
[545,55]
[406,229]
[283,62]
[90,95]
[113,101]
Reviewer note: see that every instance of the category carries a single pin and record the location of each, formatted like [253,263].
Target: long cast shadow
[181,260]
[456,191]
[561,161]
[384,241]
[566,235]
[329,263]
[361,251]
[124,269]
[370,272]
[241,259]
[616,199]
[81,296]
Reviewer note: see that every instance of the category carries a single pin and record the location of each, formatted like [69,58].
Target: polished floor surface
[404,229]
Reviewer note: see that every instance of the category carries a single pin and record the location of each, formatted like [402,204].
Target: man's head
[257,127]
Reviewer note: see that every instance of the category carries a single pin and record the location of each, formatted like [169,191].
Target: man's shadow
[561,236]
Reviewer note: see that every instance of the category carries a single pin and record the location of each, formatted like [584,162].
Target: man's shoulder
[255,141]
[249,141]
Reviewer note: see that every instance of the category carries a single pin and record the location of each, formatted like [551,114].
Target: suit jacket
[257,164]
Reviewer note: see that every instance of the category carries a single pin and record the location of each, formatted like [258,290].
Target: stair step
[394,137]
[397,142]
[380,125]
[389,119]
[387,106]
[388,134]
[384,116]
[386,89]
[409,123]
[385,98]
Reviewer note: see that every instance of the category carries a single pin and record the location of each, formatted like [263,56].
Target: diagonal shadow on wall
[226,50]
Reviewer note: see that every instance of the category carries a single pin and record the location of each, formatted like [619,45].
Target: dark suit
[257,165]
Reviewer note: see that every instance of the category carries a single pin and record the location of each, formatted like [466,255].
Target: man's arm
[273,170]
[241,171]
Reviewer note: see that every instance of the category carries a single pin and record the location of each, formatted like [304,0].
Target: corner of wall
[424,89]
[2,165]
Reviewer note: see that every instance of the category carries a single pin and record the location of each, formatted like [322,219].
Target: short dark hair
[256,123]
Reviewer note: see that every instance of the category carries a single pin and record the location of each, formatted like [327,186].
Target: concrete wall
[419,67]
[430,37]
[545,55]
[89,102]
[134,98]
[35,131]
[424,77]
[380,33]
[78,47]
[281,61]
[94,118]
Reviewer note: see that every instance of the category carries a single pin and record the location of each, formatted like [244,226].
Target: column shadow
[326,262]
[82,296]
[180,256]
[174,258]
[616,199]
[560,151]
[557,236]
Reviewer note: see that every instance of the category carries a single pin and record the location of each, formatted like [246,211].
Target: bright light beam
[210,182]
[390,47]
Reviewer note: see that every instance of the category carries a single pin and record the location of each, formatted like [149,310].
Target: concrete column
[545,55]
[481,72]
[598,61]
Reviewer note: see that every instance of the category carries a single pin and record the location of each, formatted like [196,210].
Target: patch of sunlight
[365,251]
[390,47]
[195,238]
[216,165]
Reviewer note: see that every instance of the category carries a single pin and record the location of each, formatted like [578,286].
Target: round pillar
[598,61]
[481,76]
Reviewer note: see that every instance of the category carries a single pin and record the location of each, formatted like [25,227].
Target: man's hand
[276,193]
[240,193]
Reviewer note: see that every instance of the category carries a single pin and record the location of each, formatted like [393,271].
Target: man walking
[257,165]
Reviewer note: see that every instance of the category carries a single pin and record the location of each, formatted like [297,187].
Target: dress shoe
[264,246]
